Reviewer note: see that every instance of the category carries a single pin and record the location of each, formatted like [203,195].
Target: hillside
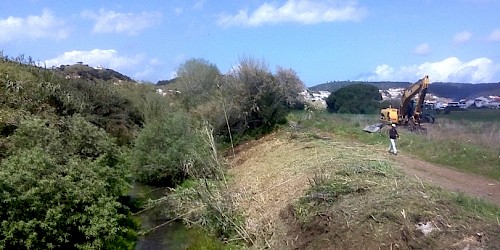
[455,91]
[82,71]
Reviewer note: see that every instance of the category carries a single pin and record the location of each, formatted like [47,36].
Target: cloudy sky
[328,40]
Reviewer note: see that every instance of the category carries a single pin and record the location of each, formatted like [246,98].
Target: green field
[479,115]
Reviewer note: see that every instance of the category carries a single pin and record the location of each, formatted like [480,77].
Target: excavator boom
[409,112]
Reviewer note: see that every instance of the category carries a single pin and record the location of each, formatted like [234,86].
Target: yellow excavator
[409,114]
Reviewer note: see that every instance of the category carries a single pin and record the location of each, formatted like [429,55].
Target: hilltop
[96,74]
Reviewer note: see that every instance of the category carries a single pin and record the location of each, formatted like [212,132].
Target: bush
[257,99]
[164,147]
[60,185]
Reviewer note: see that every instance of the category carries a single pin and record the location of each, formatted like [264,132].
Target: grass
[304,188]
[473,115]
[376,206]
[467,145]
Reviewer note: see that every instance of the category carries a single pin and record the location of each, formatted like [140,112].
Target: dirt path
[449,179]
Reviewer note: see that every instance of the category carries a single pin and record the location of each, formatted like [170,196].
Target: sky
[323,41]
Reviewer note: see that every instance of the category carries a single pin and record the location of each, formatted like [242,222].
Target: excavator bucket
[374,127]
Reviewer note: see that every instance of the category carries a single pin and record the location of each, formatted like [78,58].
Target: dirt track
[447,178]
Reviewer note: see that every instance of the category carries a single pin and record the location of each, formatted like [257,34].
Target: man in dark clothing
[393,135]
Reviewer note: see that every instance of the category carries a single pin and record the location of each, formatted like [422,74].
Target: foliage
[60,182]
[197,78]
[42,91]
[354,99]
[259,100]
[164,147]
[206,203]
[103,106]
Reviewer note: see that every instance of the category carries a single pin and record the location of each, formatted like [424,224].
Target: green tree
[60,182]
[197,81]
[354,99]
[259,100]
[165,147]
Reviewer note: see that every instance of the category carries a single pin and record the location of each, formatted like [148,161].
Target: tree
[354,99]
[197,81]
[165,146]
[291,85]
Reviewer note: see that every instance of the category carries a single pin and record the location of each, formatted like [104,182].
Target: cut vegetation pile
[307,190]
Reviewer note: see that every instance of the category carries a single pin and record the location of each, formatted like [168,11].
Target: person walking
[393,135]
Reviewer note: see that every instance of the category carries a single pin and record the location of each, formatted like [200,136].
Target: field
[320,183]
[473,115]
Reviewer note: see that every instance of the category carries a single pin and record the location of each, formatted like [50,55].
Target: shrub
[60,185]
[163,148]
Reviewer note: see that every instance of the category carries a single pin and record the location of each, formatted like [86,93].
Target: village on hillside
[317,99]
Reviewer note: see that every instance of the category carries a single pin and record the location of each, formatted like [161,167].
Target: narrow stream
[172,236]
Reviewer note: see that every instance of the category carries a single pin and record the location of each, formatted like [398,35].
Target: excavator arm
[420,88]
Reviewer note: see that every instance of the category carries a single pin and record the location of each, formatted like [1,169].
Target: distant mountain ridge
[455,91]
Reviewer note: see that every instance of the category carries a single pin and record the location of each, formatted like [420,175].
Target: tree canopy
[354,99]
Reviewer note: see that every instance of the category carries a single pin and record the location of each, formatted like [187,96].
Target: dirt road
[450,179]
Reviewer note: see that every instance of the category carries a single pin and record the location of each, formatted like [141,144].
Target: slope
[272,179]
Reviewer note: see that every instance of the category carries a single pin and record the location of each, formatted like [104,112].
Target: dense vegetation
[73,139]
[355,99]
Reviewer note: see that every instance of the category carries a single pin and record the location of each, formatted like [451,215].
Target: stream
[172,236]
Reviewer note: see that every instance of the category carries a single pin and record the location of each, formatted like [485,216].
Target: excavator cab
[389,115]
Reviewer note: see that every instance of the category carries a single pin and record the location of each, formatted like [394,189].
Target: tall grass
[485,134]
[470,146]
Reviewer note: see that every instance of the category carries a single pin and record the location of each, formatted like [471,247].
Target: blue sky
[329,40]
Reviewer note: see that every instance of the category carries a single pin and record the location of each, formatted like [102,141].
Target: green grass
[446,145]
[476,115]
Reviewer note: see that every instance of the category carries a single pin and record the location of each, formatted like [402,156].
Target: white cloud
[494,36]
[32,27]
[297,11]
[480,70]
[128,23]
[462,37]
[107,58]
[422,49]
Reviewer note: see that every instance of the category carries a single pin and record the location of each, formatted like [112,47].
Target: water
[172,236]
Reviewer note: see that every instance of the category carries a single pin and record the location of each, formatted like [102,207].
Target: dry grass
[483,134]
[377,207]
[268,177]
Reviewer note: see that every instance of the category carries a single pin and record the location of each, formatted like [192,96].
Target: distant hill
[455,91]
[166,82]
[86,72]
[333,86]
